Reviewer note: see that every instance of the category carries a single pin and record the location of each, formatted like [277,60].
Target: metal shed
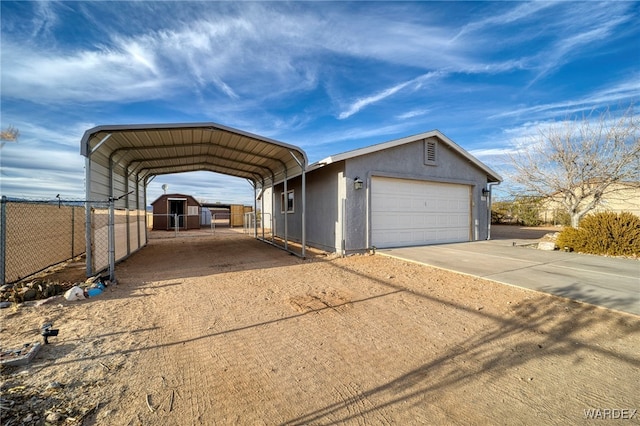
[121,160]
[171,211]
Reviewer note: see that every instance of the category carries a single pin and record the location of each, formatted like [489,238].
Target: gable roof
[176,196]
[158,149]
[492,176]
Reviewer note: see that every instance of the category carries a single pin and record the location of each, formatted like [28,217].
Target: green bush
[527,210]
[604,233]
[500,211]
[570,239]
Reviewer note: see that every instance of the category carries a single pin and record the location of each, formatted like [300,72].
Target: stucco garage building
[422,189]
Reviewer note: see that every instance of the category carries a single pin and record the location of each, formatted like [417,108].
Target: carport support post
[303,167]
[285,208]
[255,210]
[87,238]
[273,208]
[304,201]
[87,215]
[112,239]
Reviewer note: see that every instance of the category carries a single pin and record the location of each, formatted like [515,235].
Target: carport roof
[158,149]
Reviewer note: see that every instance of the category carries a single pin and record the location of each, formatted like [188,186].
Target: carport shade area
[121,160]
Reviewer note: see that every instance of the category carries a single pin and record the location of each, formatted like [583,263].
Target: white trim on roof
[409,139]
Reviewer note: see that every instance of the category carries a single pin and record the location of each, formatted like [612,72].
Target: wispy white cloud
[41,171]
[86,76]
[622,93]
[254,50]
[297,71]
[412,114]
[44,18]
[262,50]
[491,153]
[330,142]
[511,15]
[570,30]
[565,49]
[520,137]
[361,103]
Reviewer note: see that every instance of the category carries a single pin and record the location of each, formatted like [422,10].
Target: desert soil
[225,330]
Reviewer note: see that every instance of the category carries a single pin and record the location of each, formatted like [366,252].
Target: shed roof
[176,196]
[158,149]
[492,176]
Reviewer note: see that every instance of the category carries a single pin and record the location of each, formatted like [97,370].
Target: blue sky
[326,76]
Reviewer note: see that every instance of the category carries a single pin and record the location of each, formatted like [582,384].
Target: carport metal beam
[304,197]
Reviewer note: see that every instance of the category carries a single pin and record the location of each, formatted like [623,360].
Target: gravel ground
[225,329]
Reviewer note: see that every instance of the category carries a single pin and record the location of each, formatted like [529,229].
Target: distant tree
[10,134]
[577,161]
[521,210]
[501,212]
[526,210]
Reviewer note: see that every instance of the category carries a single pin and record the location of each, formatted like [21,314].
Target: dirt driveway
[225,330]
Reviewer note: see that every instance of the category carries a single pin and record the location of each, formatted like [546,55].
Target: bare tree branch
[10,134]
[578,161]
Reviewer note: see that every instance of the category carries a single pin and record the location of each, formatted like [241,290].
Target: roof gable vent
[430,151]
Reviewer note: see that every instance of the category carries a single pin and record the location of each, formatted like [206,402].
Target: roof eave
[492,176]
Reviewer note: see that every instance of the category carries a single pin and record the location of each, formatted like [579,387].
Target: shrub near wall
[605,233]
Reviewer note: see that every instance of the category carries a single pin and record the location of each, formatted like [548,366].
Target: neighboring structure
[172,209]
[422,189]
[226,214]
[620,197]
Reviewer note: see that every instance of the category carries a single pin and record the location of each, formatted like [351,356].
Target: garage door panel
[410,212]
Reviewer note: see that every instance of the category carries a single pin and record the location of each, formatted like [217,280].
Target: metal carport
[121,160]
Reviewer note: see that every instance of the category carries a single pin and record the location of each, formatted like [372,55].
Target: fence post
[112,240]
[73,231]
[3,238]
[175,224]
[88,232]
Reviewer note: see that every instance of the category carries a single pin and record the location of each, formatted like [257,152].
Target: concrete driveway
[609,282]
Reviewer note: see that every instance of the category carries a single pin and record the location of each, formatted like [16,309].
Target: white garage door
[411,212]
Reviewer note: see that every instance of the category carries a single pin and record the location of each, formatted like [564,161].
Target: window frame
[289,201]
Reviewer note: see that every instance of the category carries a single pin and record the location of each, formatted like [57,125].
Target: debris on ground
[21,356]
[45,291]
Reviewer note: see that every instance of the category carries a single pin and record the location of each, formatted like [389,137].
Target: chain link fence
[37,234]
[99,236]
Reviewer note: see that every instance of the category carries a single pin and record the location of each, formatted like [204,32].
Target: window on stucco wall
[286,201]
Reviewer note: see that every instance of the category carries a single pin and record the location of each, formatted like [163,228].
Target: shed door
[410,212]
[176,210]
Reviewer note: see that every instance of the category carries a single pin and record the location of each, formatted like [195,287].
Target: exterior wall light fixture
[485,192]
[357,183]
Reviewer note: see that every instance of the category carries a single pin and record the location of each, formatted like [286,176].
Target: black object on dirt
[47,332]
